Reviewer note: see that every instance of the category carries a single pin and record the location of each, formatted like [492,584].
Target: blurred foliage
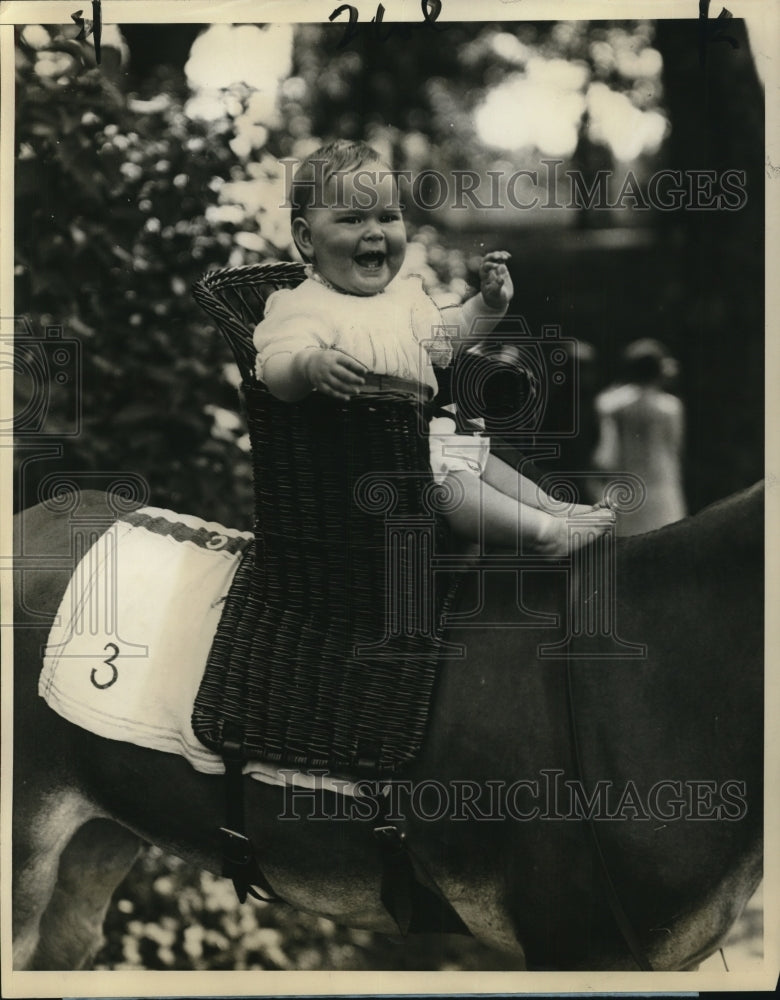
[428,102]
[112,193]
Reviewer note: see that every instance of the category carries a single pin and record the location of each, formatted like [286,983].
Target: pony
[636,738]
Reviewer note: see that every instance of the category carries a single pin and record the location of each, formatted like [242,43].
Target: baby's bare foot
[556,539]
[576,509]
[588,527]
[563,509]
[598,510]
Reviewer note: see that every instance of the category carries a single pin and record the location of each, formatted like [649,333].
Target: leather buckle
[390,836]
[236,848]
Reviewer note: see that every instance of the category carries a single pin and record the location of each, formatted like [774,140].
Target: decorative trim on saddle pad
[215,539]
[327,650]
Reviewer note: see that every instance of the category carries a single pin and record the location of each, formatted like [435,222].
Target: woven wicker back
[285,669]
[235,297]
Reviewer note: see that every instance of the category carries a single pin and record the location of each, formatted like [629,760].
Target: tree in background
[113,195]
[716,101]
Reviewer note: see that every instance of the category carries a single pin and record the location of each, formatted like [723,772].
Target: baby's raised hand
[495,281]
[333,372]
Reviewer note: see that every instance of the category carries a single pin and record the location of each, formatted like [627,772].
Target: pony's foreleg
[43,825]
[93,864]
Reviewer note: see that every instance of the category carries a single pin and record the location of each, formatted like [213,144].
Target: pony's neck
[731,529]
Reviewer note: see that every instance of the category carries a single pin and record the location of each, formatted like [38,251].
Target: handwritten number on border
[430,12]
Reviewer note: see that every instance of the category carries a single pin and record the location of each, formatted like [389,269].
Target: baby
[353,316]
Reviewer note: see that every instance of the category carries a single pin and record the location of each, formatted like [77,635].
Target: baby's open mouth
[372,260]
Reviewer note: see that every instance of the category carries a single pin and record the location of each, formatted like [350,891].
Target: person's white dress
[641,432]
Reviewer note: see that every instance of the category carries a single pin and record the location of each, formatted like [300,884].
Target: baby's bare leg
[514,484]
[486,514]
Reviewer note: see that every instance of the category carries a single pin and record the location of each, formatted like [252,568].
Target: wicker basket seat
[328,646]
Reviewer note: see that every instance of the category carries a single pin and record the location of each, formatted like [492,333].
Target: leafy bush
[112,198]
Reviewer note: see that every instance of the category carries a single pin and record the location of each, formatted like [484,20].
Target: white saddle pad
[128,648]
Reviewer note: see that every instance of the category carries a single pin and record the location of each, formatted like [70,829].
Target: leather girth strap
[239,863]
[408,892]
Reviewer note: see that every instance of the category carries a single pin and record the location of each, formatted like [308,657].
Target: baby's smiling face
[357,241]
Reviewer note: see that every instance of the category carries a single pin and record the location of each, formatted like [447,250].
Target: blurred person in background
[641,430]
